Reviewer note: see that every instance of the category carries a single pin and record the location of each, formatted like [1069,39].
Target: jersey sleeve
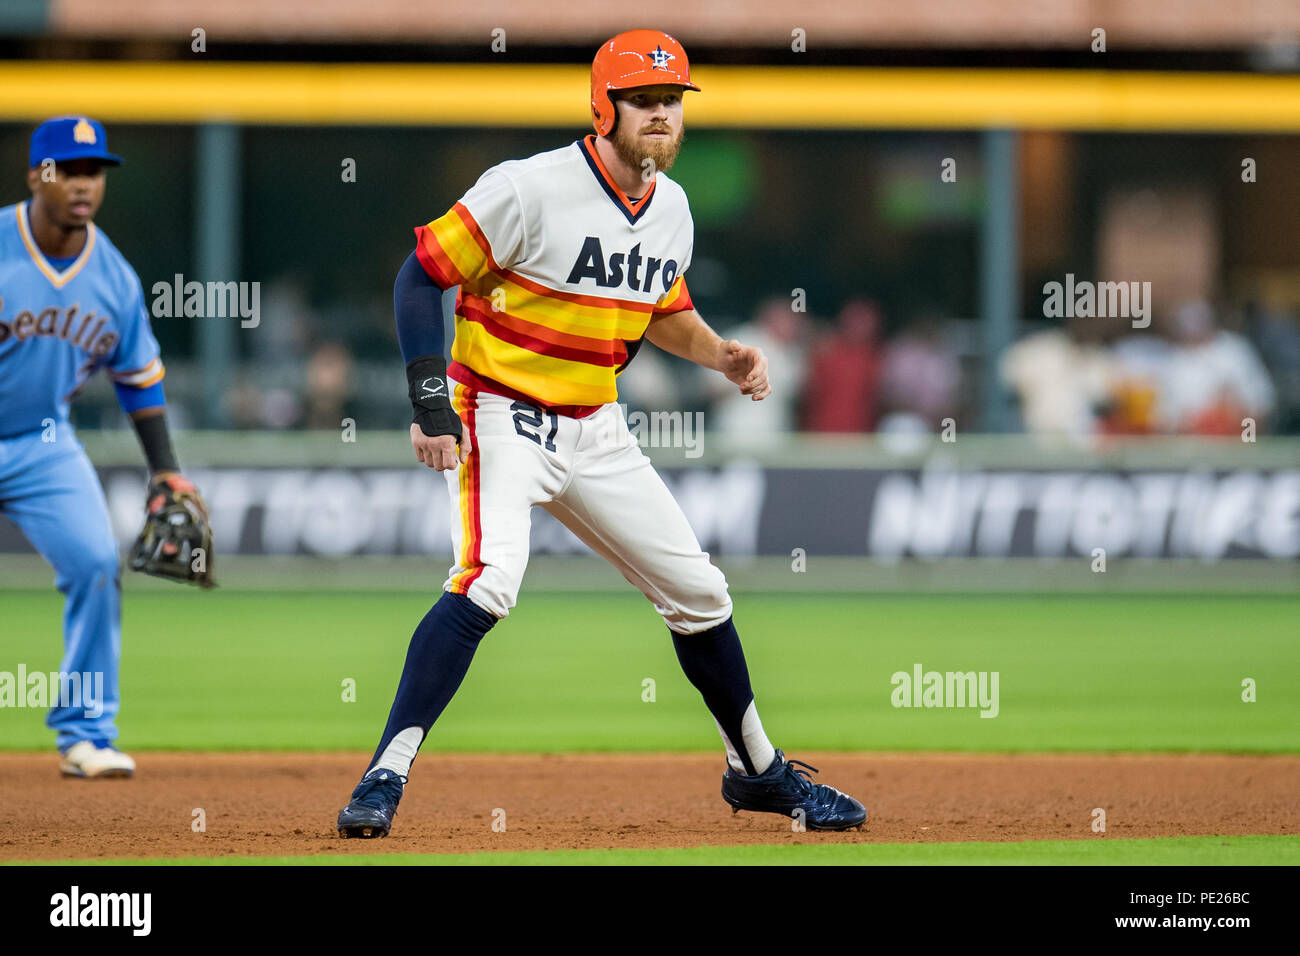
[135,360]
[676,299]
[481,233]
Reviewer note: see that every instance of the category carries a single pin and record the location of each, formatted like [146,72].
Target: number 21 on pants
[529,421]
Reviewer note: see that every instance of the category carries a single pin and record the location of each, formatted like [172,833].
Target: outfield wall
[977,499]
[744,510]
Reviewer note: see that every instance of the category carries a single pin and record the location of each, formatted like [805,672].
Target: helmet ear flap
[613,109]
[606,122]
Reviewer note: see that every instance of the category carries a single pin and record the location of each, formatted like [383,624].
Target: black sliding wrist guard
[156,442]
[426,379]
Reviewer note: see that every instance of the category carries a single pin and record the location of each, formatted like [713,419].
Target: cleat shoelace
[370,785]
[803,780]
[802,777]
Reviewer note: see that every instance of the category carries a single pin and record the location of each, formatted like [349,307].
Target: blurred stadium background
[880,192]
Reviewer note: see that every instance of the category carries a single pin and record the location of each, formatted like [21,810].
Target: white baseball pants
[593,477]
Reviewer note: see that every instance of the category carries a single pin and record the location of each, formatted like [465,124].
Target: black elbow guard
[426,379]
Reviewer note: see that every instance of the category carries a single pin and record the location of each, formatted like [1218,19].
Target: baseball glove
[176,542]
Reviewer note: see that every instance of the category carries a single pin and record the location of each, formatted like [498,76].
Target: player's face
[73,195]
[649,126]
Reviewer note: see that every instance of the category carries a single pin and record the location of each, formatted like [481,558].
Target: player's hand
[746,367]
[439,452]
[164,486]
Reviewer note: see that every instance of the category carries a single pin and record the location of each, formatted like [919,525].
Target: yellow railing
[556,96]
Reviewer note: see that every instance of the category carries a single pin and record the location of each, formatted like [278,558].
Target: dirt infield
[285,804]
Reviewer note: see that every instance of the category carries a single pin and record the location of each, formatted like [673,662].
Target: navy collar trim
[613,192]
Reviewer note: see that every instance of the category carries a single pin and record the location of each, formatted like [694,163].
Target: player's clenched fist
[439,452]
[436,428]
[745,366]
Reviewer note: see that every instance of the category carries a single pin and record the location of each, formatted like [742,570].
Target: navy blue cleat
[373,805]
[782,788]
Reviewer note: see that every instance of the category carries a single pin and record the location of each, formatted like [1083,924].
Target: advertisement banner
[743,509]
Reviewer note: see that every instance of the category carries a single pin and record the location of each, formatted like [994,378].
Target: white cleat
[84,759]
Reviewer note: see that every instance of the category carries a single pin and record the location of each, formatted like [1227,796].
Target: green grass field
[229,670]
[1169,851]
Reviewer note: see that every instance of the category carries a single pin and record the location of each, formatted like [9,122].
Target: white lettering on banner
[937,512]
[1279,519]
[340,511]
[1002,505]
[1191,501]
[891,517]
[1103,516]
[1055,514]
[386,497]
[336,525]
[289,511]
[723,507]
[1231,513]
[1155,494]
[941,513]
[283,515]
[930,521]
[937,522]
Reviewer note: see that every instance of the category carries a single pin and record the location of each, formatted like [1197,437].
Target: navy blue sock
[714,663]
[436,662]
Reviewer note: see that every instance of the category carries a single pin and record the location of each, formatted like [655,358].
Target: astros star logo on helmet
[659,58]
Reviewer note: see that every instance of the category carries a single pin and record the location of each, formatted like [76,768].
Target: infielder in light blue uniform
[70,304]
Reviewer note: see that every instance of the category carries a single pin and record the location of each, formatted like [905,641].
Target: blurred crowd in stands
[1184,375]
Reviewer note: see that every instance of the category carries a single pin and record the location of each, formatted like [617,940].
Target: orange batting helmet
[634,58]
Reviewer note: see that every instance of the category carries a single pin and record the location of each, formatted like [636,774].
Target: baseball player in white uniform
[566,263]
